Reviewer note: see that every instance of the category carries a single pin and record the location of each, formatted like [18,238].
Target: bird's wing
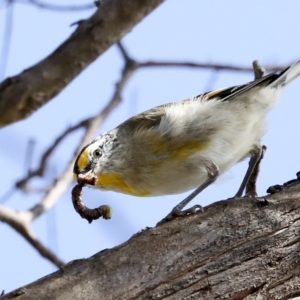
[145,120]
[152,118]
[231,92]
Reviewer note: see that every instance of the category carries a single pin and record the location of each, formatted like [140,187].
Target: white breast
[228,130]
[231,129]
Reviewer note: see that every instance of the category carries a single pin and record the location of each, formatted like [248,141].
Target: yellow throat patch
[115,183]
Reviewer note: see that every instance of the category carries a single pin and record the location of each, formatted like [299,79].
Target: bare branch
[58,8]
[129,68]
[239,249]
[6,39]
[23,94]
[20,221]
[123,51]
[132,65]
[93,124]
[211,81]
[39,172]
[208,66]
[7,195]
[62,182]
[259,71]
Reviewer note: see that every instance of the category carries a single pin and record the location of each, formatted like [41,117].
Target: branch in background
[21,221]
[6,42]
[131,65]
[92,126]
[235,249]
[58,8]
[23,94]
[40,170]
[208,66]
[129,68]
[25,88]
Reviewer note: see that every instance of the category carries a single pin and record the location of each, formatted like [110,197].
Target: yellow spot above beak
[83,160]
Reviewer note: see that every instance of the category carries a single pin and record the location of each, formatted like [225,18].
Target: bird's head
[98,156]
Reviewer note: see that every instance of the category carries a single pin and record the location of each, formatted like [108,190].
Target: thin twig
[208,66]
[40,170]
[209,85]
[20,221]
[29,154]
[58,8]
[123,51]
[6,39]
[132,65]
[62,183]
[129,68]
[7,195]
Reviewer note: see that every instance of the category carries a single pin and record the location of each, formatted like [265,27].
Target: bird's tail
[286,76]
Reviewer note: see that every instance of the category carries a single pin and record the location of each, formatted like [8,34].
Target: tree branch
[129,68]
[208,66]
[235,249]
[59,8]
[39,171]
[6,42]
[23,94]
[91,126]
[20,221]
[61,184]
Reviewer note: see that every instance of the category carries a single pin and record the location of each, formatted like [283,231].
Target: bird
[186,145]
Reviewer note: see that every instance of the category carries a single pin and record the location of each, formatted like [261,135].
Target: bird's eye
[97,153]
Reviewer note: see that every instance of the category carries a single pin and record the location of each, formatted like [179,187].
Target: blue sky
[229,32]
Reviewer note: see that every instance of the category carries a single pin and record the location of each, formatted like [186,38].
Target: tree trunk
[23,94]
[236,249]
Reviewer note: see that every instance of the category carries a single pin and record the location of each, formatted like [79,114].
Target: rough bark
[23,94]
[236,249]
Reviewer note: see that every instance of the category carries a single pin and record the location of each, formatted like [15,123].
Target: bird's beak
[86,177]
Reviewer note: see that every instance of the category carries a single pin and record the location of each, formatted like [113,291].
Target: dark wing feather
[231,92]
[145,120]
[152,117]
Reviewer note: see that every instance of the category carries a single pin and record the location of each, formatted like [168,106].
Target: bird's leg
[252,171]
[251,185]
[249,181]
[212,174]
